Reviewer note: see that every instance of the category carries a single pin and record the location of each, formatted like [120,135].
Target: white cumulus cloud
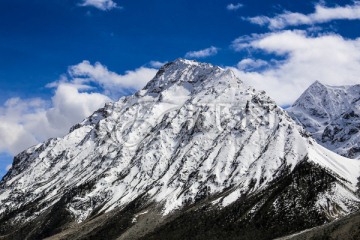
[156,64]
[25,122]
[103,5]
[233,7]
[207,52]
[113,84]
[13,114]
[322,14]
[251,64]
[330,59]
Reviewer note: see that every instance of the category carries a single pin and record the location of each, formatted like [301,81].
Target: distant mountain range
[196,154]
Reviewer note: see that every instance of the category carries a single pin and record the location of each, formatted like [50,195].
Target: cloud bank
[322,14]
[299,60]
[113,84]
[84,89]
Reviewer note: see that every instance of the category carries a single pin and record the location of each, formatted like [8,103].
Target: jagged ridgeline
[196,154]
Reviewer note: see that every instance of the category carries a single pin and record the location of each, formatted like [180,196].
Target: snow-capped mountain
[332,116]
[194,152]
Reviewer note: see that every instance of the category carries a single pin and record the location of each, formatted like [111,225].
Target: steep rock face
[332,116]
[195,136]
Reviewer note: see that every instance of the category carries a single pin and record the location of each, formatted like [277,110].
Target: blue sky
[62,59]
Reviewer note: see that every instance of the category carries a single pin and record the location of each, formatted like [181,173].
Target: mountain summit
[195,154]
[332,115]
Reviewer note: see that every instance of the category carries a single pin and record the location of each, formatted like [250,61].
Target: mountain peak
[182,64]
[318,83]
[186,61]
[184,71]
[316,87]
[313,95]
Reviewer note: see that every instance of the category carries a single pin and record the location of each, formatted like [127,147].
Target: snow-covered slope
[332,116]
[195,131]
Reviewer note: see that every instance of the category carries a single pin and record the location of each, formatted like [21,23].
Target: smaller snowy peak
[331,114]
[316,87]
[312,101]
[325,101]
[322,103]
